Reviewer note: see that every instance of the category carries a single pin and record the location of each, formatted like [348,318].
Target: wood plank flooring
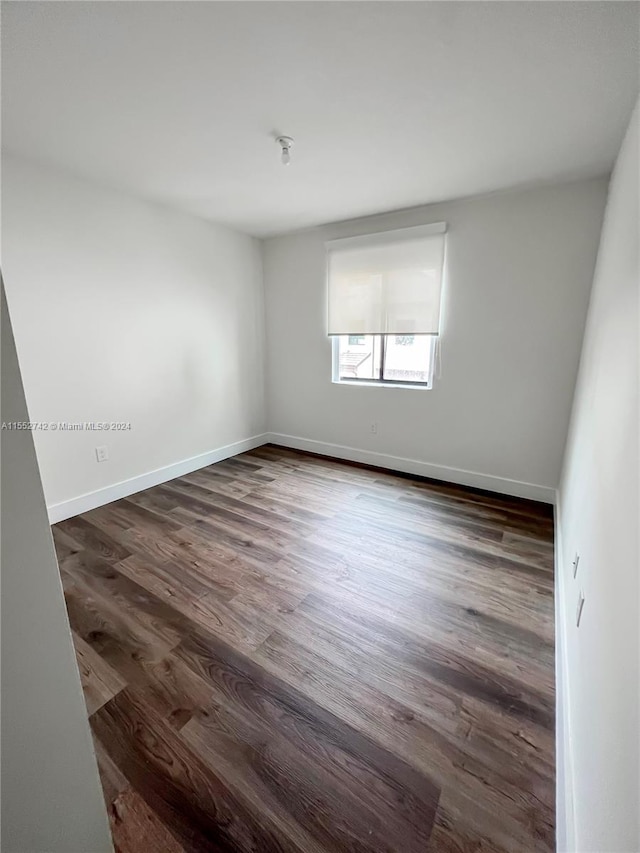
[287,653]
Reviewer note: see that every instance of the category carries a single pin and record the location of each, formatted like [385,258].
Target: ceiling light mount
[285,143]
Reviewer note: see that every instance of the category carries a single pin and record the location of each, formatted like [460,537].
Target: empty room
[320,426]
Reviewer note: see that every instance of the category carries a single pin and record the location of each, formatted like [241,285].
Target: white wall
[51,796]
[126,311]
[519,270]
[599,516]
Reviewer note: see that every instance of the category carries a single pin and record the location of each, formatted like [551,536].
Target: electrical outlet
[576,560]
[374,429]
[102,453]
[579,608]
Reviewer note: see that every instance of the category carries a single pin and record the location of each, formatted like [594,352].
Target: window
[384,305]
[384,359]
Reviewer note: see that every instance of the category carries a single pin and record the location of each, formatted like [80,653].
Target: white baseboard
[91,500]
[459,476]
[100,497]
[565,816]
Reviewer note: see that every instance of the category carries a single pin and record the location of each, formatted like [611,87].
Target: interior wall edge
[100,497]
[459,476]
[565,819]
[51,796]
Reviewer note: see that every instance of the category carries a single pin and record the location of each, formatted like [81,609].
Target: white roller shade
[387,283]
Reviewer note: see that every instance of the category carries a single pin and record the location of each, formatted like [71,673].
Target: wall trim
[100,497]
[92,500]
[502,485]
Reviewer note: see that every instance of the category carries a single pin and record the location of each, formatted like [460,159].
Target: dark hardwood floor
[287,653]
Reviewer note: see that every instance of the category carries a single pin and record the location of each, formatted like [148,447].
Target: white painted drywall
[125,311]
[519,270]
[599,515]
[51,797]
[391,104]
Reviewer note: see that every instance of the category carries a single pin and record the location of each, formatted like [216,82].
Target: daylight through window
[401,359]
[385,292]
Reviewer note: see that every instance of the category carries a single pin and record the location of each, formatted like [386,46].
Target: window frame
[381,382]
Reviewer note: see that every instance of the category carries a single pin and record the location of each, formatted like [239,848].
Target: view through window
[403,359]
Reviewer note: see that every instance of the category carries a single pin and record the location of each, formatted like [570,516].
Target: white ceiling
[391,104]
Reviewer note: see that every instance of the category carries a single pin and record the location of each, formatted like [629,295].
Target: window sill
[364,383]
